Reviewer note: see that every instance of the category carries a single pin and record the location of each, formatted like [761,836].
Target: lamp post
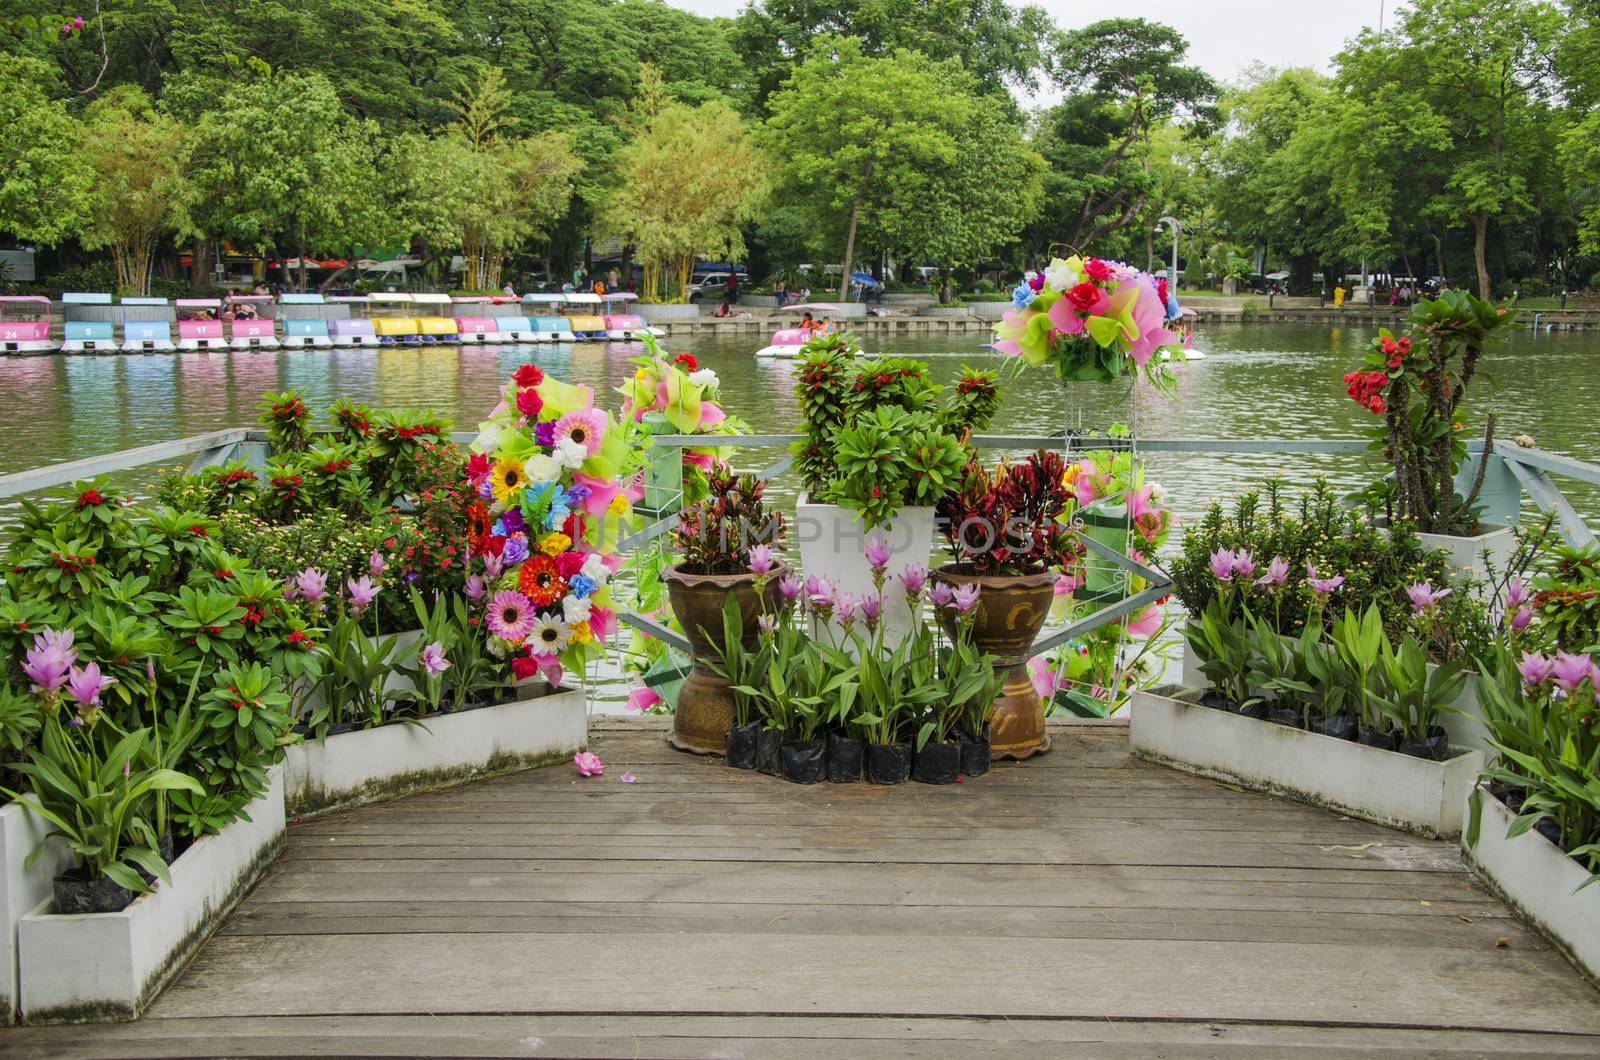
[1177,228]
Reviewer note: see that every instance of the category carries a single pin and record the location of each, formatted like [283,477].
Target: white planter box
[833,542]
[355,768]
[667,311]
[110,966]
[1466,553]
[1540,883]
[1380,786]
[22,889]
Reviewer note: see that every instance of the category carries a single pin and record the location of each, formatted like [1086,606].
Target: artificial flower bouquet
[544,528]
[676,396]
[1092,320]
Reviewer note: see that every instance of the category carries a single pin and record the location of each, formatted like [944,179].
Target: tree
[1124,77]
[1580,143]
[688,183]
[859,133]
[44,181]
[475,189]
[280,165]
[140,194]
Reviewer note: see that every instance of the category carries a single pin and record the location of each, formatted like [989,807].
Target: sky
[1226,36]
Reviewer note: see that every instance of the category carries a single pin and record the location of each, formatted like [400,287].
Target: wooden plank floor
[1078,904]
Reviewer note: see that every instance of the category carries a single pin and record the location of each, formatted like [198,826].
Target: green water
[1258,381]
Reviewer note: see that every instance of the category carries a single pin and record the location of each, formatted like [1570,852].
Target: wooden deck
[1078,904]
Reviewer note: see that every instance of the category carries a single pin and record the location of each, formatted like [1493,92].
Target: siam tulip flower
[1277,574]
[789,587]
[767,624]
[433,660]
[1222,563]
[1322,586]
[1535,667]
[629,778]
[475,590]
[289,591]
[965,597]
[878,554]
[86,684]
[375,563]
[1569,670]
[311,584]
[760,559]
[942,595]
[913,579]
[640,700]
[361,592]
[46,664]
[845,604]
[871,611]
[1243,565]
[1424,596]
[588,763]
[1520,620]
[493,566]
[1516,594]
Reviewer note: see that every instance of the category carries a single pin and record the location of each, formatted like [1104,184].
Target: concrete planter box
[355,768]
[110,966]
[1539,882]
[678,311]
[913,300]
[759,301]
[833,541]
[22,889]
[1466,553]
[1384,787]
[988,310]
[944,311]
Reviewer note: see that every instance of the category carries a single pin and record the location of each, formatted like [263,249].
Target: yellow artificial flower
[578,633]
[506,480]
[618,505]
[553,544]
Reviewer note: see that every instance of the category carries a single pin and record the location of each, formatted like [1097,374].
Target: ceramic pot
[704,712]
[1010,613]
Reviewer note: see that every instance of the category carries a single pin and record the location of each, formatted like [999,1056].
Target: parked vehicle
[786,342]
[624,327]
[253,327]
[356,329]
[25,324]
[475,329]
[87,336]
[200,324]
[303,332]
[147,336]
[549,325]
[432,325]
[583,313]
[708,287]
[393,317]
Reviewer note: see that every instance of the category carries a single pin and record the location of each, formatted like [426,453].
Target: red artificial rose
[478,467]
[523,668]
[529,403]
[687,362]
[528,375]
[497,544]
[568,564]
[1161,289]
[1084,296]
[1097,270]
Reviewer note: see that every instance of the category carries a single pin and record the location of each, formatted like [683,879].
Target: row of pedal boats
[312,321]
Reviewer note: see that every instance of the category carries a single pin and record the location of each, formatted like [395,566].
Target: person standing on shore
[733,287]
[1338,297]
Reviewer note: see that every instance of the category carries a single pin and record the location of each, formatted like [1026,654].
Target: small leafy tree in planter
[1417,383]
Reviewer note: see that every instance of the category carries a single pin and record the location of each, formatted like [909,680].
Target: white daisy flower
[549,637]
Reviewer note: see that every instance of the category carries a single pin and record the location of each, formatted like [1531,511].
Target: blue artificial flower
[1023,296]
[581,585]
[499,528]
[560,508]
[1173,309]
[577,494]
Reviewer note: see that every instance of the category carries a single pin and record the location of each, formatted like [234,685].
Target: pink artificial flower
[878,554]
[587,428]
[1145,623]
[1068,584]
[1044,680]
[640,700]
[588,763]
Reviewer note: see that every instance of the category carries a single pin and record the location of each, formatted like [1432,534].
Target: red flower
[299,637]
[528,375]
[529,403]
[687,362]
[90,497]
[1395,361]
[1404,346]
[1161,289]
[1084,296]
[198,531]
[1097,270]
[568,564]
[523,668]
[1389,346]
[478,467]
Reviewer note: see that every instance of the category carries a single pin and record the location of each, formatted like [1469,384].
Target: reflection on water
[1259,381]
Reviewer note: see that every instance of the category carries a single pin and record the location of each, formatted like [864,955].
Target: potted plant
[882,446]
[1005,530]
[726,542]
[1416,384]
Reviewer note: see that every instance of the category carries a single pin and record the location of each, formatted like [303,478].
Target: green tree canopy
[45,184]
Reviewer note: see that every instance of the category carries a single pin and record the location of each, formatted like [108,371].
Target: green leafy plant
[715,535]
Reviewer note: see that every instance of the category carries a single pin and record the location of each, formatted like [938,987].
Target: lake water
[1259,381]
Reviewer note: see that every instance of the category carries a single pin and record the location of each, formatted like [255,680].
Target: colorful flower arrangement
[676,397]
[543,531]
[1092,320]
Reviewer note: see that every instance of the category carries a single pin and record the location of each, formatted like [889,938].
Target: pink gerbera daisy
[587,428]
[510,615]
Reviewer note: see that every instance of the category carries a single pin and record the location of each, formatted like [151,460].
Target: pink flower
[1043,678]
[913,579]
[942,595]
[360,592]
[587,428]
[629,778]
[1277,573]
[760,559]
[588,763]
[1520,620]
[1068,584]
[1322,586]
[433,660]
[1222,562]
[878,553]
[1424,596]
[375,563]
[1569,670]
[511,615]
[1243,565]
[871,609]
[1145,623]
[789,587]
[966,597]
[1535,668]
[85,685]
[640,700]
[475,590]
[1516,594]
[767,624]
[846,605]
[311,584]
[46,664]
